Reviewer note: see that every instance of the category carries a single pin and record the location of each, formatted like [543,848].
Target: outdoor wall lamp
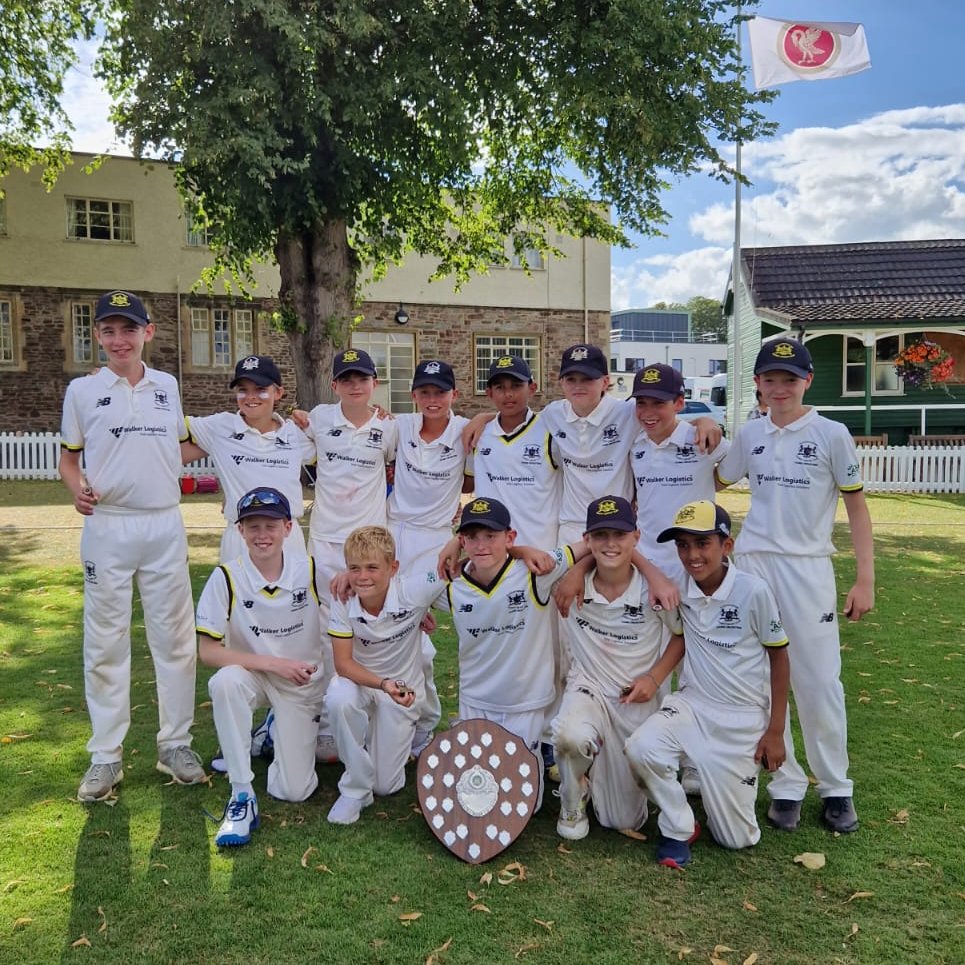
[401,316]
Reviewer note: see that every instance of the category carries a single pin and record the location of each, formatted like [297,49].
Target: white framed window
[8,335]
[198,237]
[97,219]
[221,336]
[488,348]
[394,356]
[885,380]
[534,259]
[84,347]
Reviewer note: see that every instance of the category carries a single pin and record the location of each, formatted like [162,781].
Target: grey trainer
[182,764]
[99,781]
[839,814]
[783,814]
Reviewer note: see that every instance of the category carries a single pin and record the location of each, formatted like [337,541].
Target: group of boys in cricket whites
[590,564]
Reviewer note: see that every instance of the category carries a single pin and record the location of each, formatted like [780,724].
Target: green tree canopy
[706,315]
[36,51]
[332,133]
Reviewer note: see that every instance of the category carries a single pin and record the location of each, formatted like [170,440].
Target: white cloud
[88,106]
[896,175]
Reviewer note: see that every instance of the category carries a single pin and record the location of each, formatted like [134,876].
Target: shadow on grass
[17,546]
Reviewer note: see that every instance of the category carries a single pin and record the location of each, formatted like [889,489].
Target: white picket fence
[34,455]
[908,469]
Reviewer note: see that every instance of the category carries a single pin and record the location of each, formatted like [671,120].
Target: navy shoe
[672,853]
[262,737]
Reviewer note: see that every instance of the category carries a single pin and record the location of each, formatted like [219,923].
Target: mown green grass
[142,882]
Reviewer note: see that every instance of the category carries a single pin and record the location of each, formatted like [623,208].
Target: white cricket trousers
[588,737]
[233,544]
[117,547]
[373,735]
[235,694]
[417,550]
[807,600]
[720,741]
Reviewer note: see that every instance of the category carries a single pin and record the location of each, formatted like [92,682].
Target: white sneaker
[325,750]
[99,781]
[240,819]
[573,824]
[263,737]
[690,780]
[346,810]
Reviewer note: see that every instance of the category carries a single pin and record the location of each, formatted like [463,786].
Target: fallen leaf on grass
[103,924]
[409,916]
[514,871]
[487,878]
[98,834]
[563,849]
[168,847]
[325,868]
[630,833]
[308,852]
[82,942]
[479,906]
[523,949]
[714,960]
[11,885]
[749,907]
[472,896]
[859,894]
[64,890]
[812,860]
[901,816]
[433,957]
[548,925]
[854,931]
[683,953]
[751,959]
[22,923]
[270,851]
[395,899]
[723,949]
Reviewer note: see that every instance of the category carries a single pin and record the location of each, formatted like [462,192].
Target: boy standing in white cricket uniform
[668,468]
[253,446]
[614,679]
[429,472]
[375,699]
[728,715]
[797,462]
[126,422]
[269,602]
[514,460]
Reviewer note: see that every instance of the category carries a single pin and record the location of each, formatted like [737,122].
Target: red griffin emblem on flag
[807,47]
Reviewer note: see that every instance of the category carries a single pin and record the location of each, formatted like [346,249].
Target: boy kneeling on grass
[272,657]
[728,715]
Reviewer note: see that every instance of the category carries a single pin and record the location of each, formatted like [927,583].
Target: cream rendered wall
[160,260]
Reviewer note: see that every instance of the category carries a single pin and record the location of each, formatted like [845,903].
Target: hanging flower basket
[924,365]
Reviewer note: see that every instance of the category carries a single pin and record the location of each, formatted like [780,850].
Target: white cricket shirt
[519,469]
[592,453]
[612,643]
[130,437]
[505,636]
[725,638]
[278,620]
[795,475]
[428,475]
[350,474]
[390,644]
[669,475]
[247,458]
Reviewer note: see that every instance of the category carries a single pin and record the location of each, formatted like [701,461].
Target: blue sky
[876,156]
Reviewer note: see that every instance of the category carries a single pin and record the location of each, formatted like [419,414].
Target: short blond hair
[368,541]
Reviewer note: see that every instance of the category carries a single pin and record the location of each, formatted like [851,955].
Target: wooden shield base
[478,786]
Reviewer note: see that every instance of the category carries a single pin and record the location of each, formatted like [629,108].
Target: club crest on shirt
[532,454]
[281,443]
[299,598]
[687,453]
[516,600]
[633,614]
[161,399]
[90,571]
[375,438]
[853,470]
[807,454]
[729,618]
[611,434]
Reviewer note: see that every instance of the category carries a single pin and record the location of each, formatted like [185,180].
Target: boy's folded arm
[663,592]
[569,588]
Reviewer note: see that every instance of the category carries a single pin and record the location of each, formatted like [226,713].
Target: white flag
[783,50]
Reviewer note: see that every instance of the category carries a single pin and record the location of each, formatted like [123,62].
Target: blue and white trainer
[263,737]
[239,820]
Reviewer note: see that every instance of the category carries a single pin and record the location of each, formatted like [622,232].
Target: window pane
[76,218]
[244,333]
[887,348]
[6,333]
[886,379]
[200,337]
[855,351]
[488,348]
[854,378]
[81,333]
[222,336]
[122,222]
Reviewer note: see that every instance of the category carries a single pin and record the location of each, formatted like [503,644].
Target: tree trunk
[318,283]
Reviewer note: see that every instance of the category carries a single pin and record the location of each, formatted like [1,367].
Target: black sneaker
[785,815]
[839,814]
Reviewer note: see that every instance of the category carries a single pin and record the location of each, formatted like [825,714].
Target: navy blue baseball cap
[610,512]
[260,369]
[490,513]
[700,518]
[264,501]
[784,355]
[511,365]
[585,359]
[352,360]
[434,372]
[121,303]
[658,381]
